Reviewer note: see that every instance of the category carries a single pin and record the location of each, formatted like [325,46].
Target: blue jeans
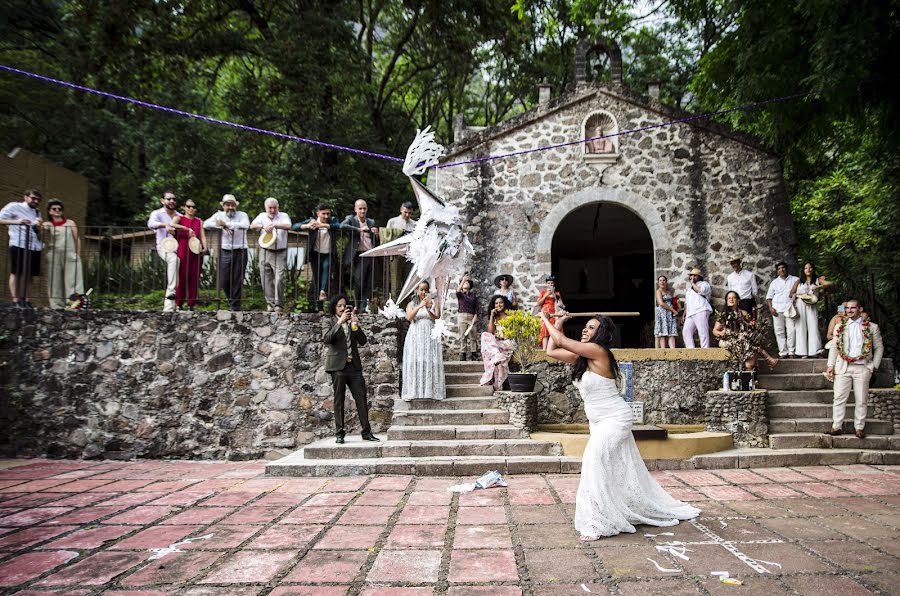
[321,267]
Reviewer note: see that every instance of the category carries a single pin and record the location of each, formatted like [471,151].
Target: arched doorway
[603,256]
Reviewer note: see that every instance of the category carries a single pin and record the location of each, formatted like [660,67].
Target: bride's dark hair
[603,337]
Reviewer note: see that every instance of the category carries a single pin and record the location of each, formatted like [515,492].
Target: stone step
[359,449]
[453,403]
[448,432]
[814,425]
[795,366]
[795,411]
[462,378]
[811,396]
[456,366]
[470,467]
[781,458]
[469,391]
[447,417]
[799,381]
[823,441]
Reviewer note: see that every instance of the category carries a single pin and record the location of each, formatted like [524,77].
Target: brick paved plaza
[80,527]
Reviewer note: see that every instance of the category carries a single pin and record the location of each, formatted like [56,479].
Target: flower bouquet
[743,338]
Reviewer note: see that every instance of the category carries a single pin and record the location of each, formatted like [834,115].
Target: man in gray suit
[342,362]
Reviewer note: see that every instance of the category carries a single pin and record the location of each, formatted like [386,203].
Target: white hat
[194,245]
[268,239]
[168,244]
[230,199]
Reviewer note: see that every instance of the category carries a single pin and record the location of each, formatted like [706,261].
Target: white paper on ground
[663,569]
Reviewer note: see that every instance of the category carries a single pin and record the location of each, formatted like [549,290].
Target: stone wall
[522,408]
[741,413]
[671,383]
[199,385]
[884,404]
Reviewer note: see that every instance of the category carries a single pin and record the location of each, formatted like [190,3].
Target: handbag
[791,312]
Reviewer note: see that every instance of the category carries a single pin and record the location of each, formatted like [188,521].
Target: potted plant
[743,339]
[523,328]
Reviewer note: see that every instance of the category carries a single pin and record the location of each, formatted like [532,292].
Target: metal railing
[123,270]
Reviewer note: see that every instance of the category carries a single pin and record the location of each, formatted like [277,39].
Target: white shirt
[780,292]
[20,234]
[744,283]
[234,234]
[854,339]
[263,219]
[698,303]
[398,223]
[158,221]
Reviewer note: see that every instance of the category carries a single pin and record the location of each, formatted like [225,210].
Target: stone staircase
[799,410]
[462,435]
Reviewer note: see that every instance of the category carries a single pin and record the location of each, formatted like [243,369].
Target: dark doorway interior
[602,255]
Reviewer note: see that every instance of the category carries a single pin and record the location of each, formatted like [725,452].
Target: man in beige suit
[854,357]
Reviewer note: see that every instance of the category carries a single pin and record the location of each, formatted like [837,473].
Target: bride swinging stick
[616,491]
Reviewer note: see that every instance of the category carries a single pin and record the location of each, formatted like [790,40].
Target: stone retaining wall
[198,385]
[741,413]
[522,408]
[884,404]
[671,383]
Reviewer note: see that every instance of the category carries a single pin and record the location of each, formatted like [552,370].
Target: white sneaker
[169,306]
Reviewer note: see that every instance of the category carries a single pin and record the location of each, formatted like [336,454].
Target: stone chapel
[607,217]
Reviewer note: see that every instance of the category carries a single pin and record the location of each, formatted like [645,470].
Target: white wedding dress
[616,491]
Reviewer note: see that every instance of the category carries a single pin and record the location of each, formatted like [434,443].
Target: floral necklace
[867,340]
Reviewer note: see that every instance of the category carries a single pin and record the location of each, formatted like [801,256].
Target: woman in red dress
[188,226]
[550,302]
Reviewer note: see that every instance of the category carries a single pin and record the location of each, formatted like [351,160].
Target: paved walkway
[164,527]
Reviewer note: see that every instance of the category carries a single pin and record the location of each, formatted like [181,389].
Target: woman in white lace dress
[809,342]
[423,359]
[616,491]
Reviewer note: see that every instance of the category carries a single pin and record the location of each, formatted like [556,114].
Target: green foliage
[523,328]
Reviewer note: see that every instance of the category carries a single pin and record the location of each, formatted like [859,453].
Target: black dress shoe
[834,432]
[339,440]
[370,438]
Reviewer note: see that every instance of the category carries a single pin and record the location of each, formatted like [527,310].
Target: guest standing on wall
[191,246]
[342,338]
[363,236]
[321,248]
[273,240]
[232,249]
[65,275]
[24,227]
[161,221]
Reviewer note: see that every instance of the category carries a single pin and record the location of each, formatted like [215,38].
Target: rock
[104,349]
[109,365]
[219,362]
[166,367]
[280,399]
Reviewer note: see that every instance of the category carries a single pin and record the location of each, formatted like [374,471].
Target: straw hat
[268,239]
[696,271]
[230,199]
[808,298]
[194,245]
[734,258]
[169,244]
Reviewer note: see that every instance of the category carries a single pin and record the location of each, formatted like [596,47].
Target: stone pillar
[459,127]
[544,93]
[653,91]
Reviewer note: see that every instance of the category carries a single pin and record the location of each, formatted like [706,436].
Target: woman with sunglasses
[63,256]
[187,227]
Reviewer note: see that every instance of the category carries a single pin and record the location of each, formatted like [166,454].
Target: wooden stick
[594,314]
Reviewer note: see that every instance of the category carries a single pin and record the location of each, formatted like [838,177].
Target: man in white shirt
[24,227]
[854,357]
[273,260]
[161,221]
[697,309]
[744,283]
[232,249]
[404,221]
[780,299]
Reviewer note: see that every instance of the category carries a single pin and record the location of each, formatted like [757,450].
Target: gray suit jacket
[336,346]
[873,361]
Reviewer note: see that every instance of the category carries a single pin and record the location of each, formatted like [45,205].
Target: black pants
[362,278]
[232,265]
[351,376]
[747,305]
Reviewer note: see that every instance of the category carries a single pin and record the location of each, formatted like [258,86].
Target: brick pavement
[175,527]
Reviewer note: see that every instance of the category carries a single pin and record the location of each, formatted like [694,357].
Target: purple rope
[624,132]
[198,116]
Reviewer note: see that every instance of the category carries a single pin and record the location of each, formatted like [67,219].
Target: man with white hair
[232,249]
[273,226]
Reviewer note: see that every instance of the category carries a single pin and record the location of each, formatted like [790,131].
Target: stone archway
[604,245]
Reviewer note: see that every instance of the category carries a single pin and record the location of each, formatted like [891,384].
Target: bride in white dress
[616,491]
[423,359]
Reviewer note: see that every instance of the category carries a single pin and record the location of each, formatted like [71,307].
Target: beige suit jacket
[873,360]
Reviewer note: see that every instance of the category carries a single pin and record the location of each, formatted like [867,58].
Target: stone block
[533,465]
